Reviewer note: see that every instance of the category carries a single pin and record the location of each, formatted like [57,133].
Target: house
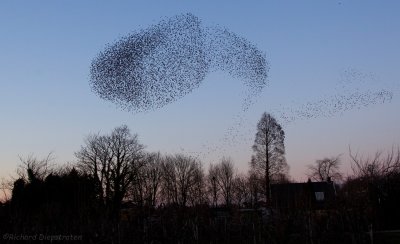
[288,197]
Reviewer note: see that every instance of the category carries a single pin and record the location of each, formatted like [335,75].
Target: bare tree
[6,187]
[112,161]
[254,185]
[153,174]
[281,178]
[213,187]
[186,169]
[180,175]
[32,168]
[374,188]
[225,177]
[325,169]
[241,190]
[378,166]
[197,192]
[147,180]
[269,151]
[169,190]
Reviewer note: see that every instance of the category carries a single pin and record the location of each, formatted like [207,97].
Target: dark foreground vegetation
[117,192]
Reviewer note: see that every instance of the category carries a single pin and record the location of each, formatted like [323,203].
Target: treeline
[116,192]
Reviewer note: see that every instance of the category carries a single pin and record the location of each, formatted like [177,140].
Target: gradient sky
[46,104]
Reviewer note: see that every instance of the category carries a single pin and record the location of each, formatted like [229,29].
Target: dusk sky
[320,53]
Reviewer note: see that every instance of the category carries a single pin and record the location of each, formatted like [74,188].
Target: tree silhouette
[112,160]
[59,203]
[32,168]
[213,187]
[164,198]
[225,179]
[241,190]
[325,169]
[269,152]
[181,175]
[375,184]
[145,187]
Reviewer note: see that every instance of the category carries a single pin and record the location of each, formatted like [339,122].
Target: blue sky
[46,103]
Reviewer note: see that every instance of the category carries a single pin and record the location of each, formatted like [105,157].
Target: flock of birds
[156,66]
[354,90]
[151,68]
